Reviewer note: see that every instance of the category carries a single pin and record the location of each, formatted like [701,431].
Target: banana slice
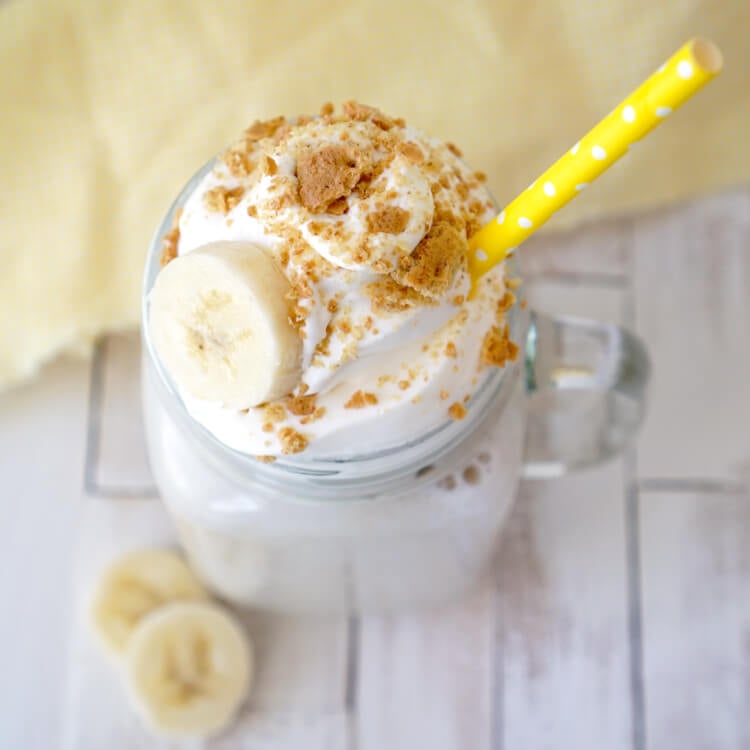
[219,318]
[188,668]
[136,585]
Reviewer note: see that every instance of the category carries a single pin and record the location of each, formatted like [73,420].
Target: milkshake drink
[334,421]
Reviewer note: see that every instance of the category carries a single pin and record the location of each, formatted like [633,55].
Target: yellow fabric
[108,107]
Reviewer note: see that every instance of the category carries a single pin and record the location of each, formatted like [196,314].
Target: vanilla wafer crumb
[432,266]
[457,410]
[223,199]
[361,399]
[291,441]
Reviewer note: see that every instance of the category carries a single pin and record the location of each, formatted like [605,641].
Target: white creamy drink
[313,307]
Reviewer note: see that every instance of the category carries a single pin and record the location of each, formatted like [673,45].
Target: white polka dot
[663,111]
[685,69]
[531,187]
[581,186]
[661,68]
[574,150]
[598,153]
[525,223]
[511,249]
[628,114]
[480,254]
[500,217]
[549,189]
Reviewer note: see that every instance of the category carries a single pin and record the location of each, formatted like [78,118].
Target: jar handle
[587,393]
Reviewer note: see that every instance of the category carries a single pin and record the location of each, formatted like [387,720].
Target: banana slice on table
[219,317]
[136,585]
[188,667]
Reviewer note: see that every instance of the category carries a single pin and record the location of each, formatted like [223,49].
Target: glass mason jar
[414,524]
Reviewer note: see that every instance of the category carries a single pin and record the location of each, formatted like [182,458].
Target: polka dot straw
[685,73]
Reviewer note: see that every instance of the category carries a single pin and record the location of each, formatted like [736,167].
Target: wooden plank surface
[42,441]
[696,619]
[692,284]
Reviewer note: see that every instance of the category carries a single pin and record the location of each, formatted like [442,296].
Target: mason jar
[414,523]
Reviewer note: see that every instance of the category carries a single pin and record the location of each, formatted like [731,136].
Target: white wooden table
[620,614]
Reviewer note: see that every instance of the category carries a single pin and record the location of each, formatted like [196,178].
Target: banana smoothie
[320,386]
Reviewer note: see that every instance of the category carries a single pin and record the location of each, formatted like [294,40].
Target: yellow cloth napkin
[108,107]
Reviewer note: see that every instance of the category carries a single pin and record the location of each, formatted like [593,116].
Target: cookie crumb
[411,152]
[338,207]
[444,395]
[506,302]
[291,441]
[513,283]
[261,129]
[302,406]
[386,295]
[315,416]
[497,348]
[223,199]
[450,350]
[268,165]
[480,176]
[471,474]
[457,410]
[274,413]
[455,150]
[237,162]
[404,384]
[361,112]
[265,459]
[361,399]
[388,220]
[326,109]
[267,427]
[171,240]
[434,262]
[326,174]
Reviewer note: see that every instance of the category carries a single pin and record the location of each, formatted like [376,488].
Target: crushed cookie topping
[361,399]
[291,441]
[223,199]
[261,129]
[237,161]
[326,174]
[171,240]
[356,111]
[355,204]
[388,296]
[302,406]
[411,151]
[497,348]
[431,268]
[388,220]
[274,412]
[457,410]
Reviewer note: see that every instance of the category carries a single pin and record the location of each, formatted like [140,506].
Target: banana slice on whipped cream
[219,317]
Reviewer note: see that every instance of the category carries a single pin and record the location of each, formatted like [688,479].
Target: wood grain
[692,284]
[696,620]
[42,440]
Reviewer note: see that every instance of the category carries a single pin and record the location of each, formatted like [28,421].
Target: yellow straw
[685,73]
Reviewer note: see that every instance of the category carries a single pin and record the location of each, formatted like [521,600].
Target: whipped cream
[368,219]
